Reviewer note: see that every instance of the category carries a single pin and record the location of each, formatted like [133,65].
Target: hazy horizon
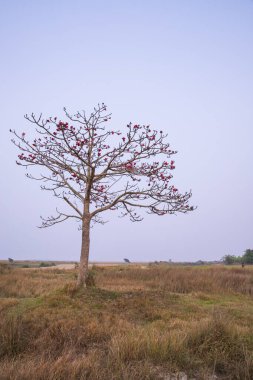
[183,67]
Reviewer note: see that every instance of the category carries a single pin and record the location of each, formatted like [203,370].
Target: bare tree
[94,169]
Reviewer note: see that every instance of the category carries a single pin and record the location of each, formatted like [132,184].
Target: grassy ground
[32,263]
[137,323]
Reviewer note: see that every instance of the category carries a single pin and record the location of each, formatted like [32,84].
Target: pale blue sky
[182,66]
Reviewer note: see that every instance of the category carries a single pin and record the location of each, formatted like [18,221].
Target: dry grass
[136,324]
[20,283]
[180,279]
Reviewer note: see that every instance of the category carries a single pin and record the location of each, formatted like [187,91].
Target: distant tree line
[246,258]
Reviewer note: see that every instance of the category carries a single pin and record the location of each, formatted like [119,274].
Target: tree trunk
[85,250]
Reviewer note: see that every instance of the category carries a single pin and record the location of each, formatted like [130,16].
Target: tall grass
[20,283]
[182,279]
[137,324]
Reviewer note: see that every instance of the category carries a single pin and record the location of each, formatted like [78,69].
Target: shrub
[45,264]
[90,281]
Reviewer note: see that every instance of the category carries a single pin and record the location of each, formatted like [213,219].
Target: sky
[183,66]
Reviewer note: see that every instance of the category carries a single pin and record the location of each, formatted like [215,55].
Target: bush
[45,265]
[90,281]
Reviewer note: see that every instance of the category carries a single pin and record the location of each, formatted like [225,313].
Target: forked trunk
[85,249]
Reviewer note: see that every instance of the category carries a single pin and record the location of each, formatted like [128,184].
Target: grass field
[137,323]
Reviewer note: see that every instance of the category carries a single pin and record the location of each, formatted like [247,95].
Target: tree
[94,169]
[231,259]
[228,259]
[247,258]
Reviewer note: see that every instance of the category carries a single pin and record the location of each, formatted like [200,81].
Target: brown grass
[180,279]
[135,324]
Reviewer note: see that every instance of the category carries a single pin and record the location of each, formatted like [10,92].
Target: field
[138,322]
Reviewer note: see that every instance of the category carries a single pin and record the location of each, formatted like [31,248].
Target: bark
[85,249]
